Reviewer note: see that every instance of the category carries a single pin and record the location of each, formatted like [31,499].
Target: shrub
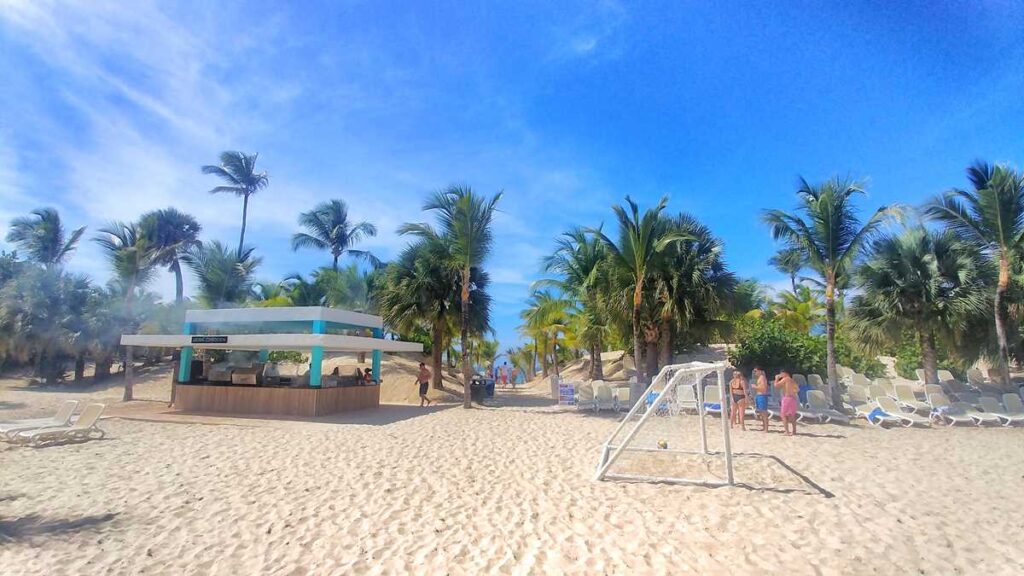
[767,343]
[291,356]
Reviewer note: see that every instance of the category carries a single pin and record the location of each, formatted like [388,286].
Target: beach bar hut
[248,387]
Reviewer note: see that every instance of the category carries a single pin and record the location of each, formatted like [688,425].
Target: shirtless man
[761,396]
[789,390]
[423,379]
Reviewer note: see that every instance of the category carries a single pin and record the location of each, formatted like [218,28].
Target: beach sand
[506,489]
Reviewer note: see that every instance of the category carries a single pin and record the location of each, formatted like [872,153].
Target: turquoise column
[377,333]
[185,360]
[316,356]
[264,355]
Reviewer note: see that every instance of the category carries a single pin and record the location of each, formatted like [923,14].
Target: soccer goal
[664,437]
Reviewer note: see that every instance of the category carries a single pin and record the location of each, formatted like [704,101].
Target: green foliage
[766,342]
[329,228]
[853,357]
[291,356]
[908,358]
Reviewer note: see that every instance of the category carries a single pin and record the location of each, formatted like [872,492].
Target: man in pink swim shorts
[789,389]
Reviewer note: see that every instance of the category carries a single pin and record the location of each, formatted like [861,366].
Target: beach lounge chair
[604,399]
[816,381]
[585,397]
[920,375]
[1013,405]
[800,379]
[889,406]
[713,400]
[845,374]
[886,385]
[946,376]
[992,406]
[933,389]
[905,398]
[946,412]
[817,403]
[875,392]
[61,418]
[622,398]
[969,398]
[860,380]
[975,377]
[994,377]
[686,396]
[83,429]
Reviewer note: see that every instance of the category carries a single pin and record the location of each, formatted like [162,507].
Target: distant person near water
[789,389]
[423,379]
[761,396]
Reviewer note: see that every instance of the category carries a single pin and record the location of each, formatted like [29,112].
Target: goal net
[665,436]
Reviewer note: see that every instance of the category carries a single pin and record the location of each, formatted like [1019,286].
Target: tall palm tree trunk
[467,401]
[792,282]
[665,343]
[830,347]
[179,282]
[651,355]
[245,213]
[436,347]
[554,355]
[1004,349]
[596,364]
[128,384]
[929,358]
[334,265]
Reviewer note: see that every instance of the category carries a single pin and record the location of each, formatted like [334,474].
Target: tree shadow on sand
[35,526]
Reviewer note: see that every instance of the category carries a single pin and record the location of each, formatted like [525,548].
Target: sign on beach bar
[209,339]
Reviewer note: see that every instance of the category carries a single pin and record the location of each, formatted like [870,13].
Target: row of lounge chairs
[58,428]
[599,396]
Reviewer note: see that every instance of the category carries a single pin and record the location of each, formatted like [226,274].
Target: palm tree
[923,281]
[171,233]
[329,229]
[799,311]
[991,215]
[580,260]
[132,257]
[831,236]
[42,236]
[464,219]
[641,240]
[238,171]
[789,261]
[225,276]
[547,314]
[691,281]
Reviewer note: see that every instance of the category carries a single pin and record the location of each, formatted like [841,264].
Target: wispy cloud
[594,32]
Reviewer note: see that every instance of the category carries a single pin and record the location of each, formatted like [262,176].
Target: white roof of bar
[329,342]
[284,314]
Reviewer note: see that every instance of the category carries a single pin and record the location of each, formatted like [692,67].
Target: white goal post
[662,399]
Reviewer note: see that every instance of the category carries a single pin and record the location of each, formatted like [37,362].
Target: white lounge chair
[975,377]
[905,398]
[83,429]
[920,375]
[686,397]
[818,403]
[622,398]
[1013,405]
[860,380]
[933,389]
[816,381]
[604,399]
[876,392]
[713,400]
[889,406]
[800,379]
[991,406]
[585,398]
[11,428]
[946,412]
[886,385]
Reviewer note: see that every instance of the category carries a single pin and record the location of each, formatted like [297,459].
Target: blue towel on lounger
[876,414]
[712,406]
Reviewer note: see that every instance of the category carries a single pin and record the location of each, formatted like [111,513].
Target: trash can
[477,390]
[489,387]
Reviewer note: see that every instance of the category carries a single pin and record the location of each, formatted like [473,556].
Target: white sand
[498,490]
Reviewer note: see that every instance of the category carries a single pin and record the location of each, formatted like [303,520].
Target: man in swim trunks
[423,379]
[789,389]
[761,396]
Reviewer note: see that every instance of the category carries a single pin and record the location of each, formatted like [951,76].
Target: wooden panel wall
[281,401]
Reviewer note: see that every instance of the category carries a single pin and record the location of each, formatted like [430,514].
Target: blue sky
[107,112]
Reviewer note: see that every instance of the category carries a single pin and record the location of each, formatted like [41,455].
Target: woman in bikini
[738,406]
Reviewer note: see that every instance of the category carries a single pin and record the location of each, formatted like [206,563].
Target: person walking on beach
[515,376]
[504,375]
[738,406]
[789,389]
[761,396]
[423,379]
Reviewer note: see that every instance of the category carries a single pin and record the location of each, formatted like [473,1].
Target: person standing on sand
[738,406]
[761,396]
[515,376]
[504,375]
[789,389]
[423,379]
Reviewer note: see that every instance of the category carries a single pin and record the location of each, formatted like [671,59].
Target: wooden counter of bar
[271,400]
